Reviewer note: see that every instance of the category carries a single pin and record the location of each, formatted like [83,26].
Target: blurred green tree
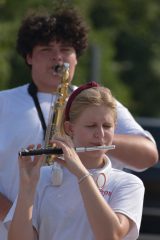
[123,53]
[135,34]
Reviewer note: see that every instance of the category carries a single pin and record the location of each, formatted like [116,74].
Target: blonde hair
[95,96]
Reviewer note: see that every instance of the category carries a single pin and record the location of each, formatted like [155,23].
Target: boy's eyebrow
[65,44]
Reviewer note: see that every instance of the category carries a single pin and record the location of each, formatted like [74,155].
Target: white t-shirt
[59,212]
[20,126]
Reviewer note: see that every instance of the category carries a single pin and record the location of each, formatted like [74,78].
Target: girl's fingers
[67,141]
[61,161]
[40,161]
[62,144]
[36,160]
[31,146]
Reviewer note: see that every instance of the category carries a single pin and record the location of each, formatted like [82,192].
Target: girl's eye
[107,126]
[90,126]
[104,126]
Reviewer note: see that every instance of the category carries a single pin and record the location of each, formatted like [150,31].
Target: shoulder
[127,195]
[14,92]
[126,124]
[122,111]
[120,179]
[126,187]
[10,97]
[124,118]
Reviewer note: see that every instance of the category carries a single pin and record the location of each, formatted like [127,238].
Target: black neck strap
[32,90]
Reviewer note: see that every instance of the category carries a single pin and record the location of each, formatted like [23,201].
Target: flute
[58,151]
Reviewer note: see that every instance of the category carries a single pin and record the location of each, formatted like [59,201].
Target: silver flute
[59,151]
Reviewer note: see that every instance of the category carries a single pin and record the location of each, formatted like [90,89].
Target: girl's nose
[99,132]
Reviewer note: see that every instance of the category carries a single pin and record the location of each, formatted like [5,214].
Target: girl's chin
[93,154]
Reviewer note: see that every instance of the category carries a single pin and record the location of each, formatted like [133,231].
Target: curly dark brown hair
[66,26]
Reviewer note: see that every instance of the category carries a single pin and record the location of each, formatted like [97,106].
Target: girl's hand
[70,158]
[30,169]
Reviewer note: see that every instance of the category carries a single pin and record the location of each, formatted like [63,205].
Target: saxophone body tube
[58,151]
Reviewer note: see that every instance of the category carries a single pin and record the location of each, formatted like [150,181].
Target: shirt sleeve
[126,124]
[35,222]
[127,198]
[9,215]
[4,103]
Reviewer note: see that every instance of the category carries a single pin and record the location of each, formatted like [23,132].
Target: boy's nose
[57,55]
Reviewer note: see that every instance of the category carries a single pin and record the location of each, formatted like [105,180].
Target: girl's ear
[68,128]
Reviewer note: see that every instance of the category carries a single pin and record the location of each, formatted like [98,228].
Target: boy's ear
[29,58]
[68,127]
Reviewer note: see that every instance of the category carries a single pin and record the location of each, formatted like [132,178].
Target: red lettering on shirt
[105,192]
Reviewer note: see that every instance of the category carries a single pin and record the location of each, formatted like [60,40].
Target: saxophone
[56,109]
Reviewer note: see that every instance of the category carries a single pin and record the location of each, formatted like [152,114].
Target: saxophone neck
[56,112]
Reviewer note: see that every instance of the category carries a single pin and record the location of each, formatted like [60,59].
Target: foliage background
[123,54]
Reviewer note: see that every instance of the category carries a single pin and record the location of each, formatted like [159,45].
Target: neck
[47,90]
[44,89]
[91,162]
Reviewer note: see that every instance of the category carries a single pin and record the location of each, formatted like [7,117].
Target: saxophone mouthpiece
[60,68]
[57,68]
